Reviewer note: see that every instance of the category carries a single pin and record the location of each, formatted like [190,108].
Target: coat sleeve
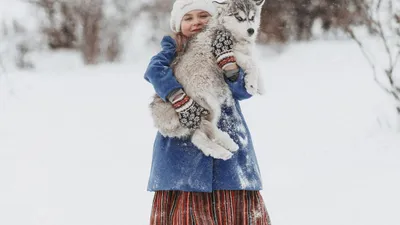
[159,73]
[237,87]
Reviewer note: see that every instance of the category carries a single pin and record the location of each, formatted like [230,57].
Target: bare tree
[384,16]
[65,17]
[16,43]
[61,25]
[90,13]
[94,27]
[276,22]
[158,12]
[285,20]
[22,47]
[3,68]
[114,26]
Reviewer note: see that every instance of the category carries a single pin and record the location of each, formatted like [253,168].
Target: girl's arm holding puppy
[234,75]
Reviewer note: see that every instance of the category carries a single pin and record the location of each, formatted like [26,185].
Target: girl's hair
[180,42]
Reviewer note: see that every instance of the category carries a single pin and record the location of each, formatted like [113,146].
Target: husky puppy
[197,71]
[242,18]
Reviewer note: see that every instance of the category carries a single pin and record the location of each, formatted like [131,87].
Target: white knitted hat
[181,7]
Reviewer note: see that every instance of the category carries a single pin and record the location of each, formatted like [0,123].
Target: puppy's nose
[250,31]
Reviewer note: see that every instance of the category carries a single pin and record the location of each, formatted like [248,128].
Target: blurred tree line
[84,24]
[95,27]
[285,20]
[288,20]
[92,26]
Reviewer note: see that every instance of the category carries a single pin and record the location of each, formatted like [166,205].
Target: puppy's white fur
[244,44]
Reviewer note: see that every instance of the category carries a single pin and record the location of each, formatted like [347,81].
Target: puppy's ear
[220,2]
[220,5]
[259,3]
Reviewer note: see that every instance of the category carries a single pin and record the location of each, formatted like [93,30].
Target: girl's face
[194,21]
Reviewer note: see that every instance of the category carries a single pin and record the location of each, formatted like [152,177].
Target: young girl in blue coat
[191,188]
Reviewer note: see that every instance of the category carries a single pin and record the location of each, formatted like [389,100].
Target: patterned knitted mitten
[189,112]
[222,48]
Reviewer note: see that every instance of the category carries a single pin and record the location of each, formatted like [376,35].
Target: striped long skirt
[216,208]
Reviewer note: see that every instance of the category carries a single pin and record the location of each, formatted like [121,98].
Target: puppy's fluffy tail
[166,119]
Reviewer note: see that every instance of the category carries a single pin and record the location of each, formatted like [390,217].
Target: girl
[191,188]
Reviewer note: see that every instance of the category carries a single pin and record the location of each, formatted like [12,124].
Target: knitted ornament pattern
[189,112]
[222,48]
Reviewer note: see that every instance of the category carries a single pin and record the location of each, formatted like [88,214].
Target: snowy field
[76,143]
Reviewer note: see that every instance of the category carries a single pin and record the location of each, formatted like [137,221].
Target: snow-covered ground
[76,142]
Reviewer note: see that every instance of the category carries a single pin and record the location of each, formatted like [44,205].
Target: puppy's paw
[225,155]
[217,152]
[261,88]
[233,147]
[229,144]
[223,139]
[251,84]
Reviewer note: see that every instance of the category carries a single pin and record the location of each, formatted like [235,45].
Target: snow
[76,142]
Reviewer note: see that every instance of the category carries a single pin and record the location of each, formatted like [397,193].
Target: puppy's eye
[252,18]
[240,19]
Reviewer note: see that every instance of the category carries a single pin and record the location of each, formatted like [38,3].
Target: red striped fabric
[216,208]
[226,61]
[181,102]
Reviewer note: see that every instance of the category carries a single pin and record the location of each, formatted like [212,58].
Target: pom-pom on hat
[181,7]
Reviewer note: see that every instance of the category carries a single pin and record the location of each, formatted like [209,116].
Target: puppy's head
[240,17]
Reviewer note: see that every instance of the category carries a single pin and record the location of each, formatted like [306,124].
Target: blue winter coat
[178,165]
